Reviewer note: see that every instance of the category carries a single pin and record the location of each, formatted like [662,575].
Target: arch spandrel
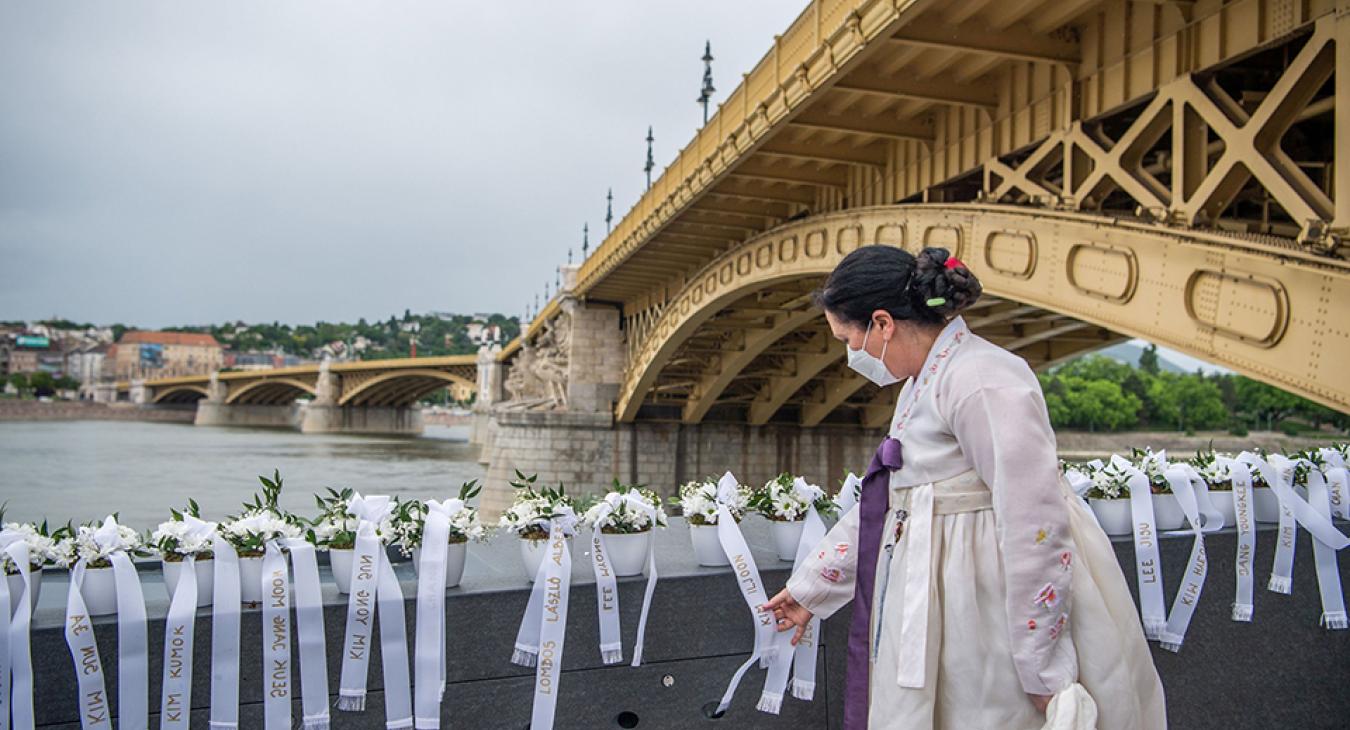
[1065,283]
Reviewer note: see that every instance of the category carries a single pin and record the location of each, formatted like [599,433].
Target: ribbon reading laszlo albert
[543,628]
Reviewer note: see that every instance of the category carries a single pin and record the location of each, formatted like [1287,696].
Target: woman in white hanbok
[986,588]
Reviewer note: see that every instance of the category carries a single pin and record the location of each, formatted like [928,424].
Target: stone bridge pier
[556,419]
[216,410]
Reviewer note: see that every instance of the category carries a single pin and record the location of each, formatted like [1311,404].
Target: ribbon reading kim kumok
[606,583]
[374,592]
[179,634]
[543,628]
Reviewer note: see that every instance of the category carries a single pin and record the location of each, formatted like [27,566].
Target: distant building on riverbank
[140,354]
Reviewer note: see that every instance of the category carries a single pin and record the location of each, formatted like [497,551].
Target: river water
[84,470]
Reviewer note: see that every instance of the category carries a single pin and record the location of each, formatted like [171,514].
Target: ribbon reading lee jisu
[1148,564]
[16,689]
[606,584]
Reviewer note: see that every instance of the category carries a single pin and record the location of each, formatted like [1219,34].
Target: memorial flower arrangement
[698,502]
[1108,482]
[335,528]
[1206,463]
[96,542]
[786,498]
[262,520]
[45,547]
[1151,464]
[534,507]
[410,517]
[613,514]
[177,538]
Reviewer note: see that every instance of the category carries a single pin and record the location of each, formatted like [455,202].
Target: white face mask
[869,366]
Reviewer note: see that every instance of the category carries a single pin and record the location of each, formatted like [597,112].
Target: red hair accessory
[953,262]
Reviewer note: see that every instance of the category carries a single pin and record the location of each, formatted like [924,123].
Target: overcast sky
[189,162]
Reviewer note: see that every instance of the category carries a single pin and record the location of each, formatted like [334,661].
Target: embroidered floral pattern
[1047,597]
[833,575]
[1041,536]
[1031,624]
[1059,625]
[916,389]
[841,550]
[1065,560]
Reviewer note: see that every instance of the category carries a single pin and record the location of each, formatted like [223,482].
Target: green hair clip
[936,301]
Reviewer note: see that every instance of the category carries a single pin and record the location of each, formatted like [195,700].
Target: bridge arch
[180,394]
[269,391]
[1057,283]
[402,387]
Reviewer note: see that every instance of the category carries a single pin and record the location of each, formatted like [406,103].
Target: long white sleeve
[1001,424]
[824,582]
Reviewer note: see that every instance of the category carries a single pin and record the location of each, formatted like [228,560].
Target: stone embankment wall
[31,410]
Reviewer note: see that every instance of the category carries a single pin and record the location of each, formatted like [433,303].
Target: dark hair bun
[935,280]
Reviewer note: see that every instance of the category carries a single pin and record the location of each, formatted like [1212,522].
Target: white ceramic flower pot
[628,553]
[1113,515]
[1266,504]
[454,562]
[1222,499]
[250,580]
[786,535]
[1167,514]
[99,591]
[707,548]
[532,553]
[205,572]
[340,560]
[16,586]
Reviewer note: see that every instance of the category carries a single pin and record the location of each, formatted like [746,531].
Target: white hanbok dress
[1022,592]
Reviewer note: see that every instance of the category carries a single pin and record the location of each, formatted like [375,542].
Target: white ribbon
[224,635]
[1278,472]
[804,656]
[554,575]
[1240,475]
[1324,556]
[752,590]
[309,631]
[133,653]
[1187,485]
[276,640]
[94,711]
[16,687]
[1080,483]
[176,699]
[526,651]
[179,631]
[1338,482]
[359,637]
[848,495]
[606,584]
[1148,564]
[430,648]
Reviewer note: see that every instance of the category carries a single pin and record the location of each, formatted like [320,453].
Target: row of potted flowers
[783,500]
[1109,493]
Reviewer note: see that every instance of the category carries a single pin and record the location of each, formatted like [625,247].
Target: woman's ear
[884,323]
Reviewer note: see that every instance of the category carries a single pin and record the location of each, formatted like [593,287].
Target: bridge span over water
[1162,169]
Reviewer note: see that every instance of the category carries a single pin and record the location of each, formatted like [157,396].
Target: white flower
[185,536]
[698,501]
[99,542]
[534,510]
[42,549]
[788,499]
[407,526]
[258,526]
[1109,482]
[1215,472]
[623,512]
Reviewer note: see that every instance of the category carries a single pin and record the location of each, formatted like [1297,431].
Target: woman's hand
[788,614]
[1041,702]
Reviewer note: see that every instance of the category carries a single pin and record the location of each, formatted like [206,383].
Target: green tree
[42,383]
[20,382]
[1264,403]
[1148,360]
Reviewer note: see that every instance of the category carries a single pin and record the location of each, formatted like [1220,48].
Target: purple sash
[873,503]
